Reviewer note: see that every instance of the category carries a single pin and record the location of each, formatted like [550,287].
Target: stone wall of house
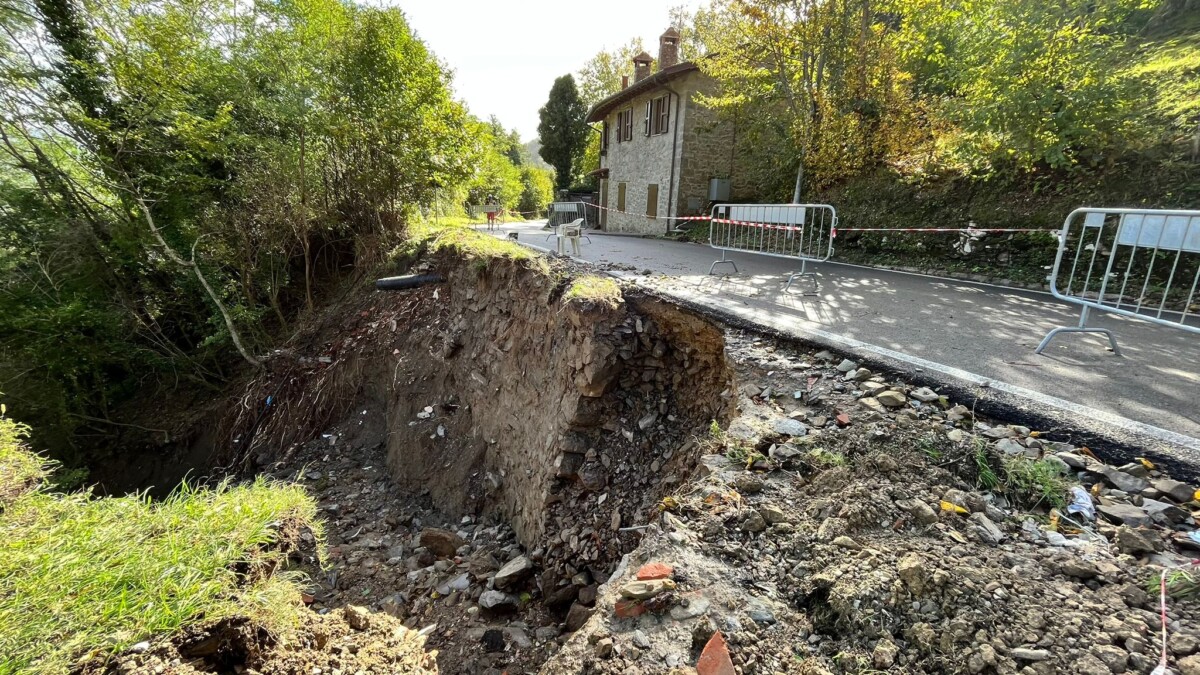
[705,150]
[641,162]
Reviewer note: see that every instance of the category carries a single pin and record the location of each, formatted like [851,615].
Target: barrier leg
[813,275]
[1081,328]
[722,261]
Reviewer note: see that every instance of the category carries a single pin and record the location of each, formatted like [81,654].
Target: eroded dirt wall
[508,408]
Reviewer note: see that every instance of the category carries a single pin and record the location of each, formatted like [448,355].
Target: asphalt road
[975,331]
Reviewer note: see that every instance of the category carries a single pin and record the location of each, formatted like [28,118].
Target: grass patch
[592,288]
[82,575]
[986,476]
[464,240]
[1034,482]
[20,471]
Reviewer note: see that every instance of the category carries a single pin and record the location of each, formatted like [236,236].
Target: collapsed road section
[544,472]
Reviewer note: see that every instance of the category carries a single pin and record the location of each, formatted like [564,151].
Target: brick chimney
[668,49]
[624,82]
[641,66]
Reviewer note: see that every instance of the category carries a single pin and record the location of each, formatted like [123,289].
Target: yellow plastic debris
[1146,463]
[668,504]
[950,507]
[1035,434]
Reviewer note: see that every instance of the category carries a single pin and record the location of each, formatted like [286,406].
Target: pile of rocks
[842,529]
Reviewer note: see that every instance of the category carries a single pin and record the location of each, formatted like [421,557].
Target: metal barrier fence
[1139,263]
[802,232]
[561,213]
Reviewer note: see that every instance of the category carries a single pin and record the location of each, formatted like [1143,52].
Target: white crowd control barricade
[1140,263]
[802,232]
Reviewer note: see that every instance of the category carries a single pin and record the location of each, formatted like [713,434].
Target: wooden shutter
[620,196]
[664,114]
[652,200]
[604,136]
[649,115]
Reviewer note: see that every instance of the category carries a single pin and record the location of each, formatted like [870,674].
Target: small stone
[640,640]
[925,395]
[492,640]
[515,571]
[988,531]
[1081,569]
[912,572]
[605,648]
[1130,540]
[356,617]
[842,419]
[1072,460]
[846,366]
[140,647]
[790,427]
[1180,492]
[884,654]
[997,433]
[654,570]
[891,399]
[846,542]
[691,608]
[1189,665]
[1024,654]
[715,659]
[498,601]
[982,659]
[772,514]
[1124,481]
[442,543]
[754,522]
[1124,514]
[1010,446]
[871,403]
[576,617]
[922,513]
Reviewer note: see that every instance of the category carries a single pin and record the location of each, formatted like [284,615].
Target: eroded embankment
[509,389]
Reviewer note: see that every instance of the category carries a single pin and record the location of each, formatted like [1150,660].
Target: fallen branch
[233,333]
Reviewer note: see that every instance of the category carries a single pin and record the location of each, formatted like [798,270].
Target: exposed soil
[496,464]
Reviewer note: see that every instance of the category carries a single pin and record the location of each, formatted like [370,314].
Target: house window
[621,197]
[658,115]
[625,125]
[604,137]
[652,200]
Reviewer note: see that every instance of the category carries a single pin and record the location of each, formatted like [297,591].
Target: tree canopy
[562,130]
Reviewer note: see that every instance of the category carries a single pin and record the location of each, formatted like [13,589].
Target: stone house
[662,154]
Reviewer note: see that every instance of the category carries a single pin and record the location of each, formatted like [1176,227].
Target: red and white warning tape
[964,230]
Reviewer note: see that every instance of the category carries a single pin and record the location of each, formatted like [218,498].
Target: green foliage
[601,75]
[991,88]
[79,573]
[595,289]
[1034,482]
[562,130]
[277,147]
[537,190]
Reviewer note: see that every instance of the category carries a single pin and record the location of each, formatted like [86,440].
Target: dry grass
[595,289]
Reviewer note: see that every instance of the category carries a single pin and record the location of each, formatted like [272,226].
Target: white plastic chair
[571,232]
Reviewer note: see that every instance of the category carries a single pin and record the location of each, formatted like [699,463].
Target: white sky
[505,55]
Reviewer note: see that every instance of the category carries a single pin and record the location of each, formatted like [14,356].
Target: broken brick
[628,609]
[843,420]
[655,570]
[715,659]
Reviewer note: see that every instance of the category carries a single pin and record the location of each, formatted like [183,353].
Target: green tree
[562,130]
[601,75]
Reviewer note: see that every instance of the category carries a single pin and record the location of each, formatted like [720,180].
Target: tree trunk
[233,332]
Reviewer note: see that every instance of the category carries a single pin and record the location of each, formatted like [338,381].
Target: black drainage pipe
[404,283]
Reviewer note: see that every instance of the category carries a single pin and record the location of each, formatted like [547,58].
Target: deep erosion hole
[568,417]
